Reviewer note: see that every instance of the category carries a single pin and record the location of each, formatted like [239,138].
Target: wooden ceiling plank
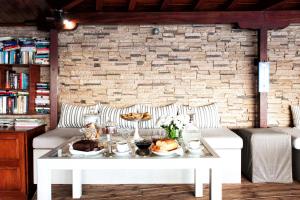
[274,4]
[198,4]
[72,4]
[132,5]
[230,4]
[99,5]
[164,5]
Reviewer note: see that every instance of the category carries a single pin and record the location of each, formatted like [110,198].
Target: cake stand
[136,135]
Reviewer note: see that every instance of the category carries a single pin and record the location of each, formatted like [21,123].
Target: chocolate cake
[86,145]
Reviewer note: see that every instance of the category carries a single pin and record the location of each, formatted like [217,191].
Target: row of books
[42,100]
[26,122]
[24,50]
[42,51]
[14,80]
[14,103]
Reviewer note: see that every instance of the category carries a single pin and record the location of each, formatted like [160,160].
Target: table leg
[215,184]
[198,183]
[76,183]
[44,181]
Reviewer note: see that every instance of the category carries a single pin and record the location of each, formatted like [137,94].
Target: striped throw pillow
[156,113]
[205,116]
[108,113]
[296,115]
[72,116]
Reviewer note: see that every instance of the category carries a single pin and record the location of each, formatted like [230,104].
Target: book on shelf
[42,100]
[14,80]
[28,122]
[12,102]
[42,51]
[4,122]
[24,50]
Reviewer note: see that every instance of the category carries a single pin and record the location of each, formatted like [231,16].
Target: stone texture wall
[27,31]
[189,64]
[284,55]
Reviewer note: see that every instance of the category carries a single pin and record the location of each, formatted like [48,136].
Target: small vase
[174,134]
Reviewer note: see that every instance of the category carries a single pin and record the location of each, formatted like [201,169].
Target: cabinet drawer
[10,179]
[9,148]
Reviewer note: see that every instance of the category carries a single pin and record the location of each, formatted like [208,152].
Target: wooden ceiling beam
[245,19]
[99,5]
[270,5]
[132,5]
[72,4]
[165,4]
[230,4]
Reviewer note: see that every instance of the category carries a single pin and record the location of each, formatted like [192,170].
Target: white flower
[178,120]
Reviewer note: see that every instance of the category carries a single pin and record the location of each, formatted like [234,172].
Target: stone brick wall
[27,31]
[284,55]
[189,64]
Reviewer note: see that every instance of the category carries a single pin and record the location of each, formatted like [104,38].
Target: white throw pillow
[205,116]
[111,114]
[156,113]
[72,116]
[296,115]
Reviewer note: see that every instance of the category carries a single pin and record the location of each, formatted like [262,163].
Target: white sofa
[225,142]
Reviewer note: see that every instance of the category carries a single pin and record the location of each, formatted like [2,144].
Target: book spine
[1,105]
[20,80]
[7,84]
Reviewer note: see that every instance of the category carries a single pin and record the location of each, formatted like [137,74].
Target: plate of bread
[136,116]
[166,147]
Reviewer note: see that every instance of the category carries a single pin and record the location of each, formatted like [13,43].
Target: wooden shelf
[15,90]
[22,65]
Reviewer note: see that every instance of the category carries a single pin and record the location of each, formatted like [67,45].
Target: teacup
[194,144]
[122,147]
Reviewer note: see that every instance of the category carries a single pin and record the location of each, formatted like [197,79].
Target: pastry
[165,145]
[132,116]
[136,116]
[146,116]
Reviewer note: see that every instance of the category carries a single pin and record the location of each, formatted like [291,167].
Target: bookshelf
[33,71]
[40,61]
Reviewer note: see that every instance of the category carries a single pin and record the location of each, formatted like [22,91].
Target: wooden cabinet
[16,162]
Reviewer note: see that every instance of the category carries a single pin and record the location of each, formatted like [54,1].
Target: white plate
[196,151]
[85,153]
[126,153]
[178,151]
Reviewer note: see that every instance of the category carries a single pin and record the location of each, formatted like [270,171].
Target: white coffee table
[199,163]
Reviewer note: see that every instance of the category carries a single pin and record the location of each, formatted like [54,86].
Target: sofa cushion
[222,138]
[205,116]
[296,115]
[156,113]
[108,113]
[72,115]
[52,139]
[294,132]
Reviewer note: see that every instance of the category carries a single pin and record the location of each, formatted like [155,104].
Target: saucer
[125,153]
[196,151]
